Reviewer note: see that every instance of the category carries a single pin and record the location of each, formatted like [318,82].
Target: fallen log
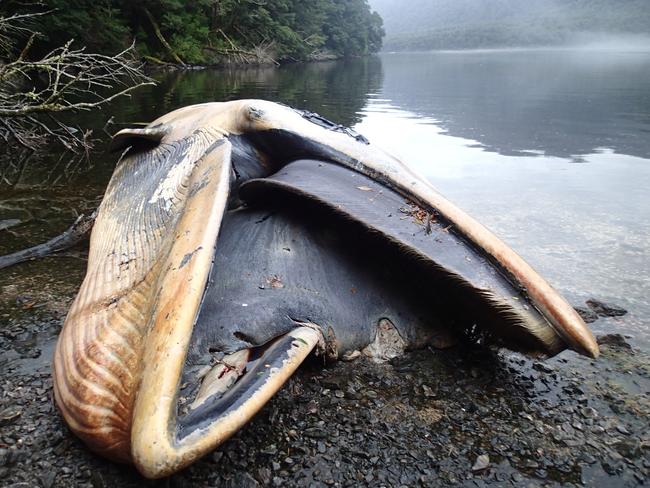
[76,233]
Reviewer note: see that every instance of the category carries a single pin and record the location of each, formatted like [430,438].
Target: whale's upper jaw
[205,198]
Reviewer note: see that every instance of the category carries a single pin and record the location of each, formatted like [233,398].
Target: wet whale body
[237,238]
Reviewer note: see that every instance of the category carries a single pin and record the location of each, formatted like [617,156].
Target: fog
[475,24]
[604,41]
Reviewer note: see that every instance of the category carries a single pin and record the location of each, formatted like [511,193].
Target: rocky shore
[467,416]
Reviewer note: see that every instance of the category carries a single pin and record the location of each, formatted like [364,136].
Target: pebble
[588,412]
[9,414]
[4,456]
[517,477]
[311,435]
[588,315]
[622,429]
[605,309]
[482,462]
[615,340]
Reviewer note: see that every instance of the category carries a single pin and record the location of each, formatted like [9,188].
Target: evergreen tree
[207,31]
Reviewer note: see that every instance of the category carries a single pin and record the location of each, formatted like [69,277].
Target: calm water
[550,149]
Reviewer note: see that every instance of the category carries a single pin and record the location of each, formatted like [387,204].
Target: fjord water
[548,148]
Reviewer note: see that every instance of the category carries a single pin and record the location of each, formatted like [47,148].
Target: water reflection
[585,227]
[562,103]
[496,132]
[337,90]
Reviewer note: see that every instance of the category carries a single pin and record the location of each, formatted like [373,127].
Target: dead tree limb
[259,54]
[161,38]
[76,233]
[34,91]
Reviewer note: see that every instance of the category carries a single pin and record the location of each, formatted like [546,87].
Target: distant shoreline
[591,47]
[322,58]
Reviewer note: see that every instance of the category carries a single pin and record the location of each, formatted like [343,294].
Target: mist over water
[424,25]
[615,43]
[583,42]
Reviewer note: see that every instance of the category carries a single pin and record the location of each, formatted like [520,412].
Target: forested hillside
[457,24]
[212,31]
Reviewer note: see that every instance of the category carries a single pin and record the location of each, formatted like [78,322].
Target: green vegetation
[468,24]
[215,31]
[63,57]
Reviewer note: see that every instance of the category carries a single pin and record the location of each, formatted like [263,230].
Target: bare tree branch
[33,92]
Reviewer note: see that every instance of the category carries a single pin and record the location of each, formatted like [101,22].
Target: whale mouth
[221,258]
[322,252]
[315,256]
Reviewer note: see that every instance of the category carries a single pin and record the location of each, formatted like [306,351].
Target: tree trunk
[161,38]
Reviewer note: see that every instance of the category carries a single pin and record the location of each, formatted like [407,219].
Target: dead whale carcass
[236,238]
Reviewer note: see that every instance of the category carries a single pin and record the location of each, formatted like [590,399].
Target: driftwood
[76,233]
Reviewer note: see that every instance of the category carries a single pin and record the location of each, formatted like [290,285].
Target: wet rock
[242,480]
[613,465]
[9,414]
[47,479]
[629,448]
[9,223]
[315,433]
[605,309]
[543,367]
[588,315]
[589,412]
[588,458]
[530,464]
[517,477]
[7,357]
[482,463]
[621,429]
[333,383]
[19,455]
[428,391]
[264,476]
[4,457]
[615,340]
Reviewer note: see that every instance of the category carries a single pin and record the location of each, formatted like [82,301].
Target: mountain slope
[452,24]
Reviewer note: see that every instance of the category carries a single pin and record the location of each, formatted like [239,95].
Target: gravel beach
[467,416]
